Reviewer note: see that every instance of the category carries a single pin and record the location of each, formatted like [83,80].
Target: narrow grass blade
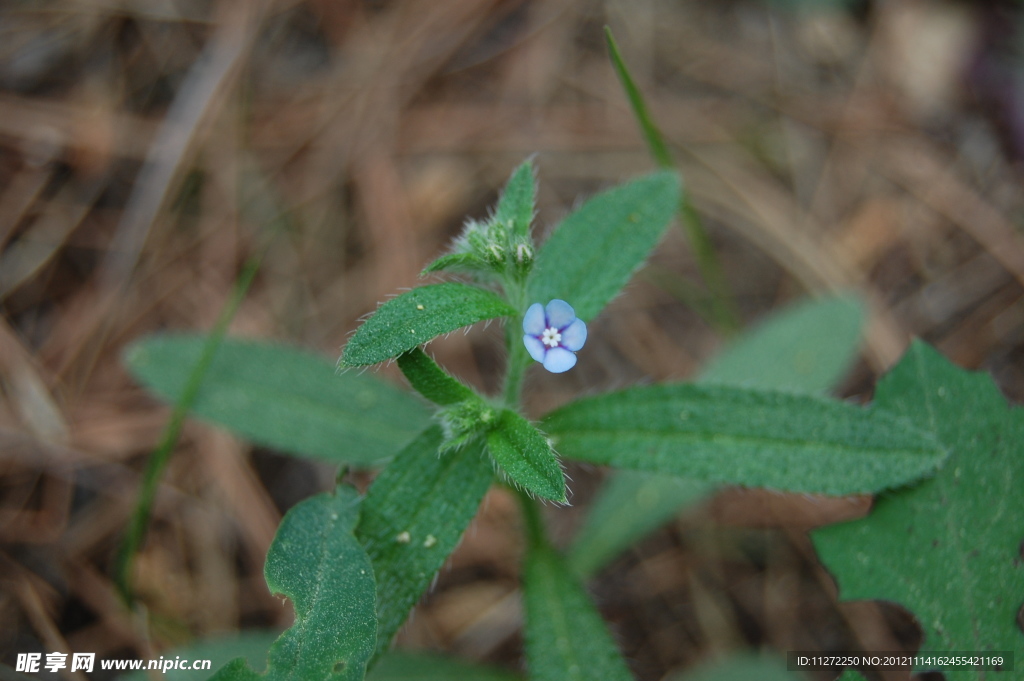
[722,303]
[157,462]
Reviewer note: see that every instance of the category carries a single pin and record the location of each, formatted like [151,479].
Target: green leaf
[317,563]
[596,249]
[516,206]
[418,316]
[430,380]
[806,348]
[949,548]
[455,261]
[566,639]
[746,437]
[403,666]
[630,505]
[413,517]
[526,457]
[284,398]
[743,668]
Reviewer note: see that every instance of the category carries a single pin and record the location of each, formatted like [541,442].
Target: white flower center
[551,337]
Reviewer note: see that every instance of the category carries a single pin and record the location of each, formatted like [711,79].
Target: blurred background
[150,148]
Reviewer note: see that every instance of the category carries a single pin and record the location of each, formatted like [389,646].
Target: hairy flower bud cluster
[494,244]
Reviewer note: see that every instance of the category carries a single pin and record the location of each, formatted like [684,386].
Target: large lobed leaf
[747,437]
[805,348]
[949,548]
[418,316]
[317,563]
[413,517]
[596,249]
[283,397]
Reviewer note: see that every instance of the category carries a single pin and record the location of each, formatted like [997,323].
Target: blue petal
[559,360]
[533,321]
[534,347]
[560,314]
[574,336]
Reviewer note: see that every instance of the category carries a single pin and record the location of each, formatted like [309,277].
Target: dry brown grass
[147,149]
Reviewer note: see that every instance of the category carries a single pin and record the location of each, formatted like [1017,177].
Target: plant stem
[535,533]
[518,358]
[517,364]
[723,305]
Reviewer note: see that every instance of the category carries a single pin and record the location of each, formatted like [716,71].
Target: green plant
[935,438]
[939,446]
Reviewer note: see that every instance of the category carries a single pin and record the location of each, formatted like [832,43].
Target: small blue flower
[554,335]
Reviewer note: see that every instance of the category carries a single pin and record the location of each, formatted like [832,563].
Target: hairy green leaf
[454,261]
[806,348]
[404,666]
[526,457]
[317,563]
[949,548]
[596,249]
[418,316]
[430,380]
[284,398]
[747,437]
[515,208]
[413,517]
[566,639]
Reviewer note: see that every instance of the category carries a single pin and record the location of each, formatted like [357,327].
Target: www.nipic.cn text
[32,663]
